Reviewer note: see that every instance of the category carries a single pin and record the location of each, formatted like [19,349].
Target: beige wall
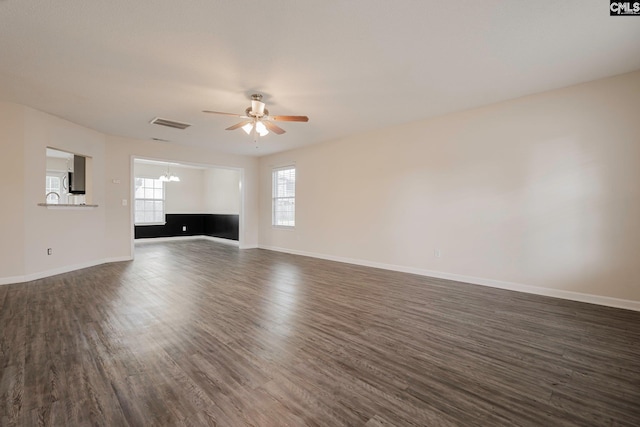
[222,191]
[200,190]
[185,196]
[12,178]
[75,236]
[541,191]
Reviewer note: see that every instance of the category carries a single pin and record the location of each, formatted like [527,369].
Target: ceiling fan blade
[226,114]
[238,125]
[273,128]
[290,118]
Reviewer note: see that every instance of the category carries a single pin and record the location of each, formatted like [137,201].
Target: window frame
[275,197]
[144,199]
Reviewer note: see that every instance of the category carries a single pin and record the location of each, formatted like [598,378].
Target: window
[149,207]
[53,189]
[284,197]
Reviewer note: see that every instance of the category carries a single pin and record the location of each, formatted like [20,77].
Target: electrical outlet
[437,253]
[49,251]
[184,228]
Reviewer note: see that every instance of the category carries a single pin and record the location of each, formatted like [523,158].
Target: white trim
[11,279]
[117,259]
[196,237]
[132,207]
[536,290]
[66,206]
[59,270]
[241,212]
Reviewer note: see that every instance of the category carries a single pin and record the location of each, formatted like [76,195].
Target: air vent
[169,123]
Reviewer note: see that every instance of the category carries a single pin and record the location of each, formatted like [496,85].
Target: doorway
[175,200]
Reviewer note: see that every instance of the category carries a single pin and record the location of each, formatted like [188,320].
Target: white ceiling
[350,66]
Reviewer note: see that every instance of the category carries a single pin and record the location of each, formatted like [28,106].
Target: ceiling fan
[258,119]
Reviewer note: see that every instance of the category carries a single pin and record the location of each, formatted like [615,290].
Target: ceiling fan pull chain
[255,134]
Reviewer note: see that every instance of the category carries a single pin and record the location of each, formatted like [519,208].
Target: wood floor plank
[377,421]
[197,333]
[13,320]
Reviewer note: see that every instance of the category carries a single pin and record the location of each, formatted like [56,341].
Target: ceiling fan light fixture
[257,108]
[247,128]
[261,129]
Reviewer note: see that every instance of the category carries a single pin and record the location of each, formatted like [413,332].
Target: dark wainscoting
[214,225]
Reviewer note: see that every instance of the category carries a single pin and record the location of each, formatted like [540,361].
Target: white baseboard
[11,279]
[59,270]
[555,293]
[198,237]
[118,259]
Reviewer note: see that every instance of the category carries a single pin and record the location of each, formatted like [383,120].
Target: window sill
[284,227]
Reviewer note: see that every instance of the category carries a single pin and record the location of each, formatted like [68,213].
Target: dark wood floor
[198,333]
